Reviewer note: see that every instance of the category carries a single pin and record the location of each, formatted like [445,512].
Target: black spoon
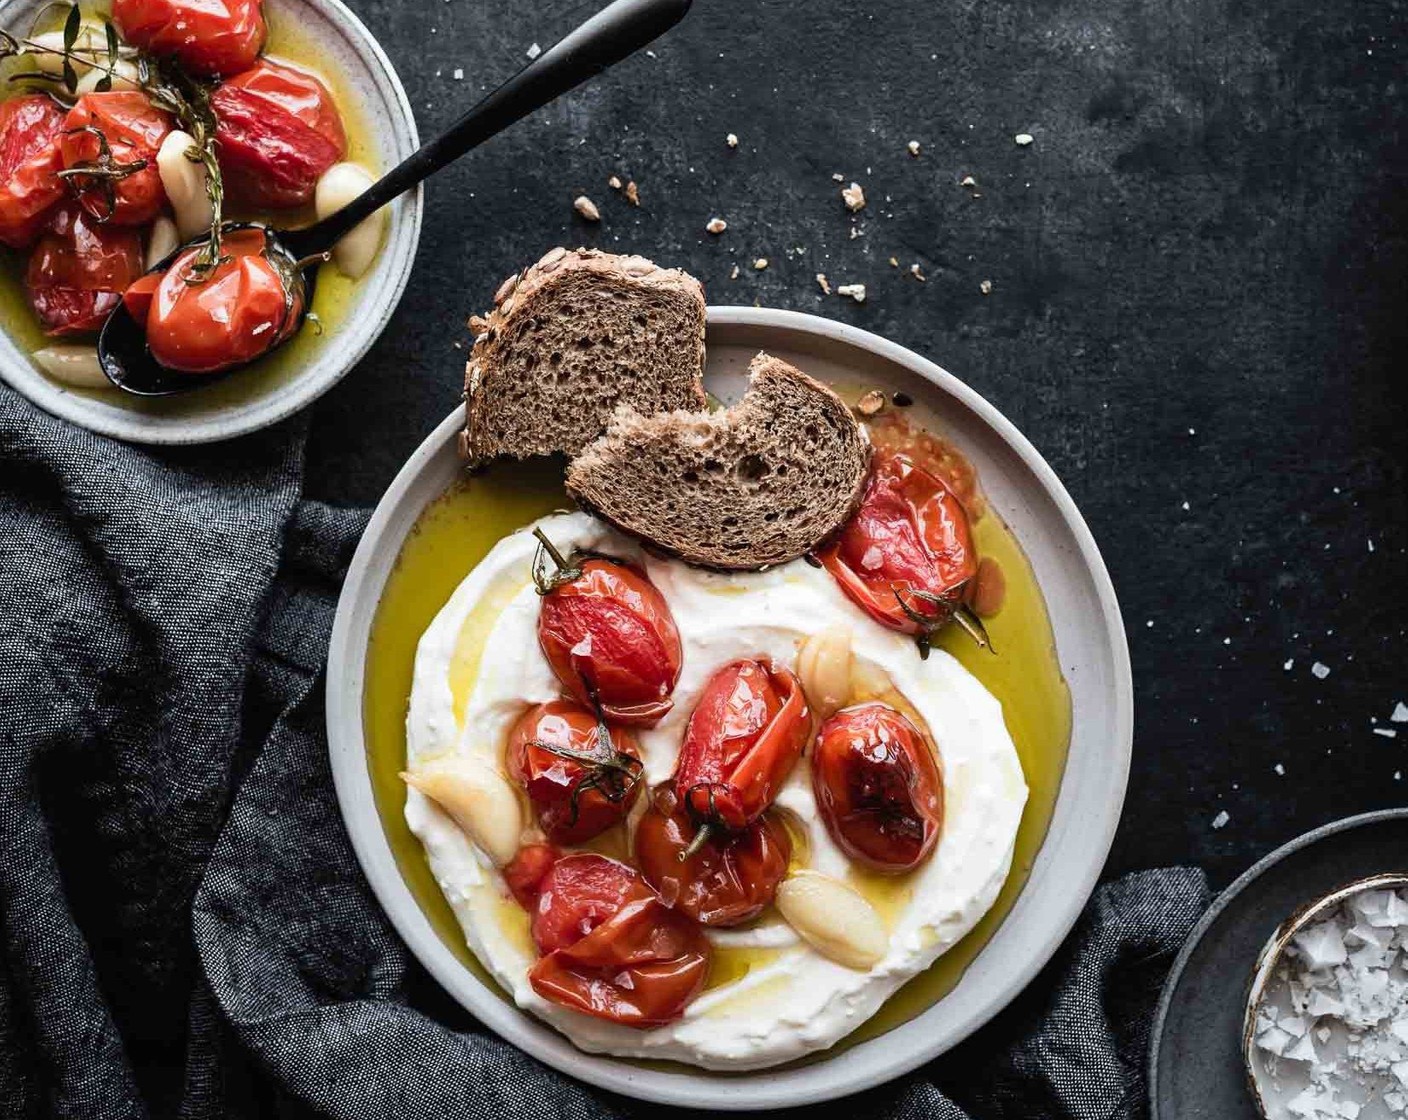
[604,40]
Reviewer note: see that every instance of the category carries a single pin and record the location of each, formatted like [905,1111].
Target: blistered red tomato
[726,880]
[743,738]
[79,270]
[611,948]
[524,874]
[236,313]
[907,557]
[581,776]
[30,160]
[109,150]
[609,636]
[208,37]
[278,131]
[878,787]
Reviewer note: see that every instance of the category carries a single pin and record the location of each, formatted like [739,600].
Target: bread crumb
[985,287]
[716,225]
[824,283]
[614,182]
[734,274]
[587,208]
[914,271]
[760,264]
[1023,139]
[913,146]
[632,193]
[477,324]
[534,51]
[853,197]
[894,262]
[871,403]
[855,291]
[731,140]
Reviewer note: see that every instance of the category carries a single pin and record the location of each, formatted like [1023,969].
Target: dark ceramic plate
[1195,1068]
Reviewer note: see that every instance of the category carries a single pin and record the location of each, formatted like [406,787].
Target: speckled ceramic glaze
[1092,652]
[351,52]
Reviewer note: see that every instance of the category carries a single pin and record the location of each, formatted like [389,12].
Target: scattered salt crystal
[1320,670]
[1288,664]
[1386,732]
[1400,713]
[458,75]
[1220,821]
[534,51]
[1023,139]
[1185,505]
[1279,769]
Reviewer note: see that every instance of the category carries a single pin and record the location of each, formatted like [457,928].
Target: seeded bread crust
[751,486]
[572,338]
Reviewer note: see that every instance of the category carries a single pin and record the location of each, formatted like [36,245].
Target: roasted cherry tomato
[906,558]
[744,737]
[277,132]
[581,776]
[109,149]
[236,313]
[608,634]
[878,786]
[611,949]
[524,874]
[79,270]
[31,128]
[726,880]
[207,37]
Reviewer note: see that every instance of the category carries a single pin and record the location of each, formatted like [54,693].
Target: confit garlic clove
[161,242]
[72,364]
[125,75]
[833,919]
[478,798]
[339,185]
[185,184]
[824,666]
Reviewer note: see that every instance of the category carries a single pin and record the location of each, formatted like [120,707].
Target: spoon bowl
[126,359]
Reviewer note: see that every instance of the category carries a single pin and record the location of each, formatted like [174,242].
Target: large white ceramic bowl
[255,398]
[1090,644]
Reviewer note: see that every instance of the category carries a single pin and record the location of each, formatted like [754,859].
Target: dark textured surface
[1198,270]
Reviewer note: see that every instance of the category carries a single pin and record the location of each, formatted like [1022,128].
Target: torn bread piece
[753,485]
[572,338]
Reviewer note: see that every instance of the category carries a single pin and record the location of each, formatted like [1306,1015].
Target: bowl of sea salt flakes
[1325,1035]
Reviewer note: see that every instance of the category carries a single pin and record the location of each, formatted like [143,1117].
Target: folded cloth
[186,932]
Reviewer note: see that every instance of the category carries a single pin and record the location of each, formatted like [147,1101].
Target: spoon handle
[614,33]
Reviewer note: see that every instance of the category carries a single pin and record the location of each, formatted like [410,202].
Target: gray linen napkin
[185,930]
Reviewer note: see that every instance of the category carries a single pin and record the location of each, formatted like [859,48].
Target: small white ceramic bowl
[248,401]
[1093,656]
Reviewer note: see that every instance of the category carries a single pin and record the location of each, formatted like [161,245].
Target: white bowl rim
[265,410]
[767,1088]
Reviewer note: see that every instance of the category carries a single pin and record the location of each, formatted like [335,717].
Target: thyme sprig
[102,173]
[612,773]
[167,87]
[945,609]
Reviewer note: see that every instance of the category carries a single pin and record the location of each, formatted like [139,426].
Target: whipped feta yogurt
[478,667]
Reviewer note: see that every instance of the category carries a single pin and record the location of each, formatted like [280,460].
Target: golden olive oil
[459,529]
[334,292]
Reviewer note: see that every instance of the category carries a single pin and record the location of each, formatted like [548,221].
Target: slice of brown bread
[750,486]
[571,339]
